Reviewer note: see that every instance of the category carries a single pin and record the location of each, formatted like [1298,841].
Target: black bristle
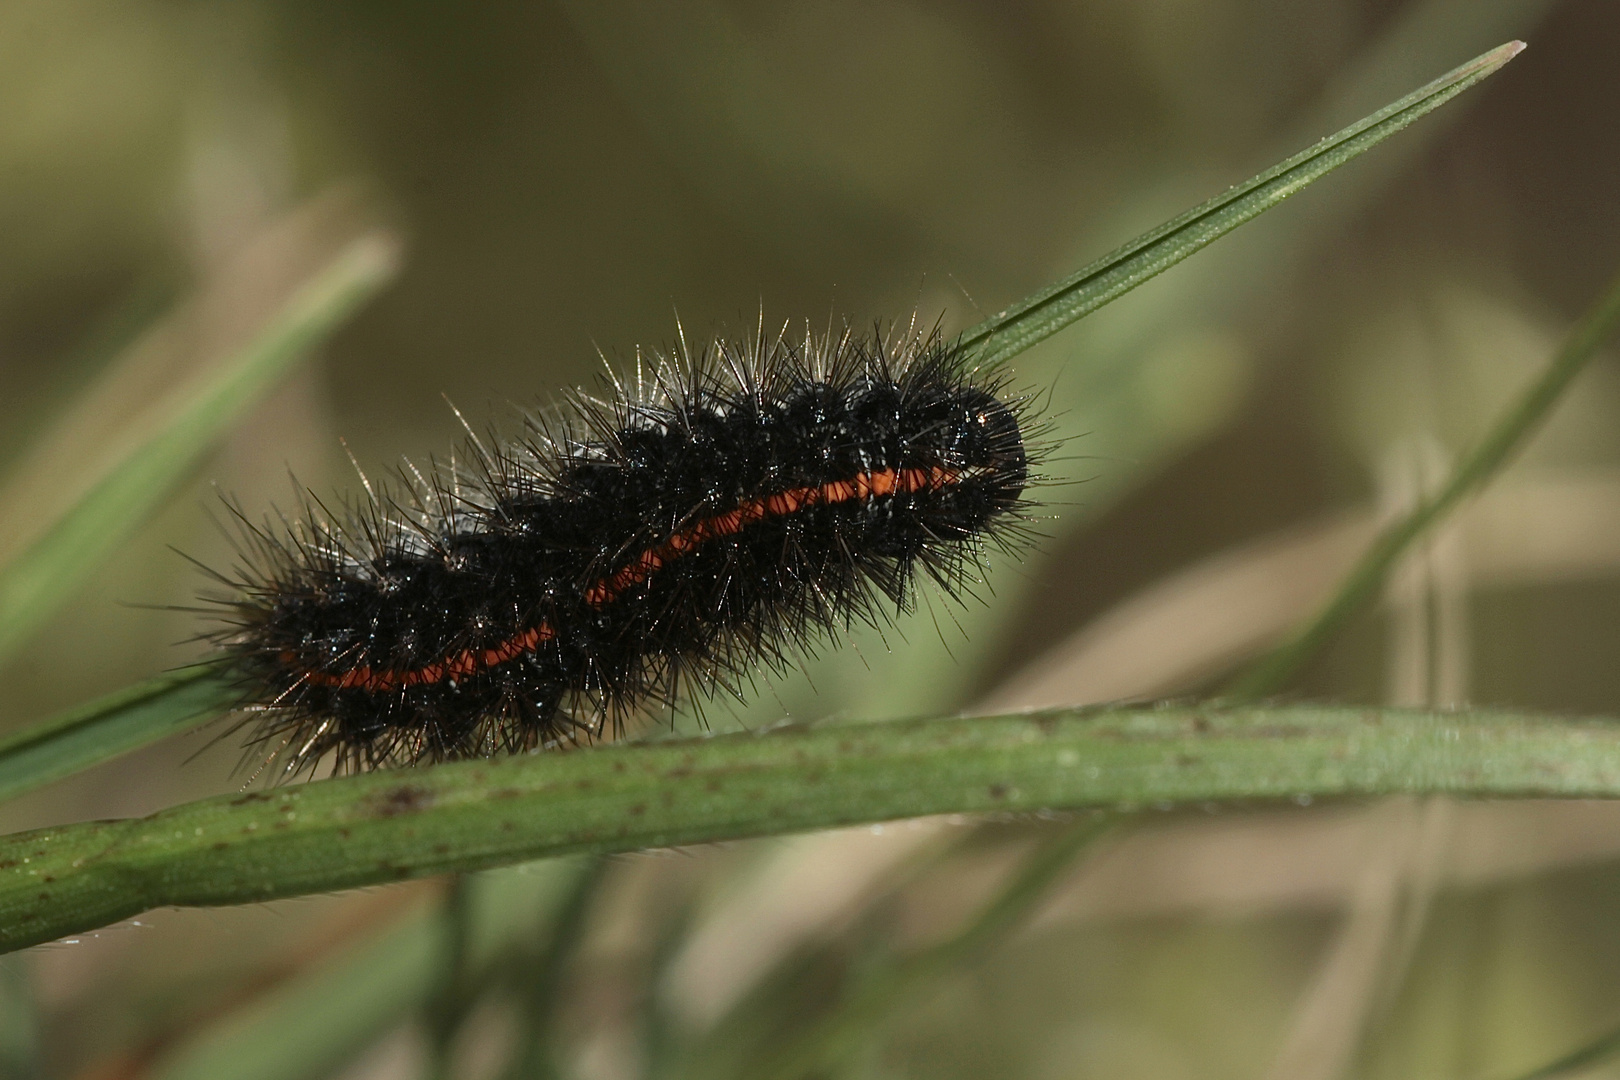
[722,513]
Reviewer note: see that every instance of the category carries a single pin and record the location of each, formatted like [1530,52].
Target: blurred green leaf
[884,989]
[19,1021]
[391,825]
[454,989]
[116,724]
[321,1020]
[1518,422]
[41,576]
[538,975]
[34,582]
[1040,316]
[323,1017]
[1579,1061]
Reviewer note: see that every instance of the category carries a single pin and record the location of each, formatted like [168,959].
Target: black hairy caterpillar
[723,512]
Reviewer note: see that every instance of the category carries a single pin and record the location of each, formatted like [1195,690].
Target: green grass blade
[1517,423]
[1040,316]
[389,825]
[35,582]
[116,724]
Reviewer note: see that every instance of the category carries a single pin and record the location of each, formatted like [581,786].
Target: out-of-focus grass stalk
[538,977]
[882,992]
[1038,317]
[1578,1062]
[1511,430]
[19,1024]
[107,727]
[316,1021]
[1021,326]
[455,990]
[661,1036]
[35,582]
[42,575]
[391,825]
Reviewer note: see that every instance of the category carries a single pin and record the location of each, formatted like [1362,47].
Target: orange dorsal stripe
[862,488]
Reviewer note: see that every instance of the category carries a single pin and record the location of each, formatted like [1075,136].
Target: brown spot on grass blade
[405,799]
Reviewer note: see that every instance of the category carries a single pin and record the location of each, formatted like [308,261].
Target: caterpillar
[718,512]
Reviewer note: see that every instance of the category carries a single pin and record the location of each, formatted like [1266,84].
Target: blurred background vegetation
[566,177]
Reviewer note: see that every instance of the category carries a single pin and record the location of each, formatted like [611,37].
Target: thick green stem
[385,826]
